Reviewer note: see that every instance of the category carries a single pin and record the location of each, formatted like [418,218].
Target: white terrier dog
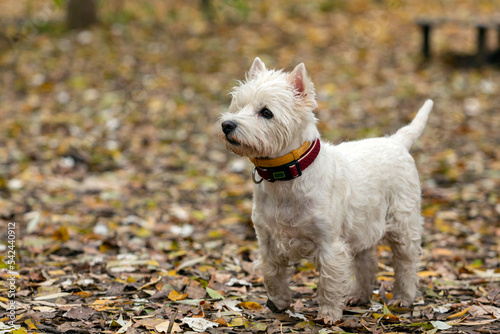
[331,204]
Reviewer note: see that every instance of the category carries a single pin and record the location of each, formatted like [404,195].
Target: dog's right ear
[257,67]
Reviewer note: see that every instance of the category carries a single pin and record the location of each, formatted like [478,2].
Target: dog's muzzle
[228,127]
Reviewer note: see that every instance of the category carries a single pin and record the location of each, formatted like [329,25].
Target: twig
[171,324]
[211,282]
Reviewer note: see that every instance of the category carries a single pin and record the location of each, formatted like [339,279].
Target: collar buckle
[289,171]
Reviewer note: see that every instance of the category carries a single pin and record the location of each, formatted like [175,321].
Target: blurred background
[109,117]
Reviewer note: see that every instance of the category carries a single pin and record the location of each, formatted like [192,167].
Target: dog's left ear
[299,80]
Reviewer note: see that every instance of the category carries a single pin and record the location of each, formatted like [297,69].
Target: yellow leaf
[431,210]
[83,294]
[385,278]
[144,232]
[153,263]
[103,248]
[381,248]
[61,234]
[388,316]
[206,268]
[458,314]
[175,296]
[236,322]
[103,305]
[168,273]
[250,306]
[56,272]
[30,324]
[428,274]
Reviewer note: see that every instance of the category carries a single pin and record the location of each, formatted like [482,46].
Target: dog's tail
[409,133]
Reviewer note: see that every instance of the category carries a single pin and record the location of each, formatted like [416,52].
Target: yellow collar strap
[284,159]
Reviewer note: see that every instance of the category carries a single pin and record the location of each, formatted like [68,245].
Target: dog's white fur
[351,197]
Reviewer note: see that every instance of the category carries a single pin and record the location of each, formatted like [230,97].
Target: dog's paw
[329,315]
[274,308]
[357,300]
[400,302]
[326,320]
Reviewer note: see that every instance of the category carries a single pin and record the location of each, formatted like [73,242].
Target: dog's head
[270,112]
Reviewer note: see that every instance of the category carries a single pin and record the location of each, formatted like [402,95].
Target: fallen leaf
[164,326]
[103,305]
[458,314]
[214,294]
[427,273]
[386,315]
[176,296]
[295,315]
[234,281]
[255,326]
[79,313]
[477,310]
[251,306]
[199,324]
[125,327]
[191,262]
[30,324]
[229,303]
[440,325]
[237,322]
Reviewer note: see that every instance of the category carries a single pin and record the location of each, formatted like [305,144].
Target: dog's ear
[257,67]
[299,80]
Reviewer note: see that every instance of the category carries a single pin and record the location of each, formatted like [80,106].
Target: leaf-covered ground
[130,215]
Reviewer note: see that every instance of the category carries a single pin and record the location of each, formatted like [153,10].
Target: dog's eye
[266,113]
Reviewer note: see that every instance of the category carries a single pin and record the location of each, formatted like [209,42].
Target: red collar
[291,170]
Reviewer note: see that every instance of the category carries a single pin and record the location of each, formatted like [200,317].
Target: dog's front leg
[276,275]
[333,262]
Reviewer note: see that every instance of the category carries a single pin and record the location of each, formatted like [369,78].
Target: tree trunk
[81,14]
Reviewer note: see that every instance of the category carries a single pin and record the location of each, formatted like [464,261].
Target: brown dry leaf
[477,310]
[80,313]
[196,292]
[165,325]
[151,323]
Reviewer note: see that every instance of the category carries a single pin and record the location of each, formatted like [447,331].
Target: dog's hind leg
[406,250]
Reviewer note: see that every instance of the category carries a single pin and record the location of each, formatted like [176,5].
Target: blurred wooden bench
[482,26]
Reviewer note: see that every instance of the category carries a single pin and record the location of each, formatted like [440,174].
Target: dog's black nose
[228,127]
